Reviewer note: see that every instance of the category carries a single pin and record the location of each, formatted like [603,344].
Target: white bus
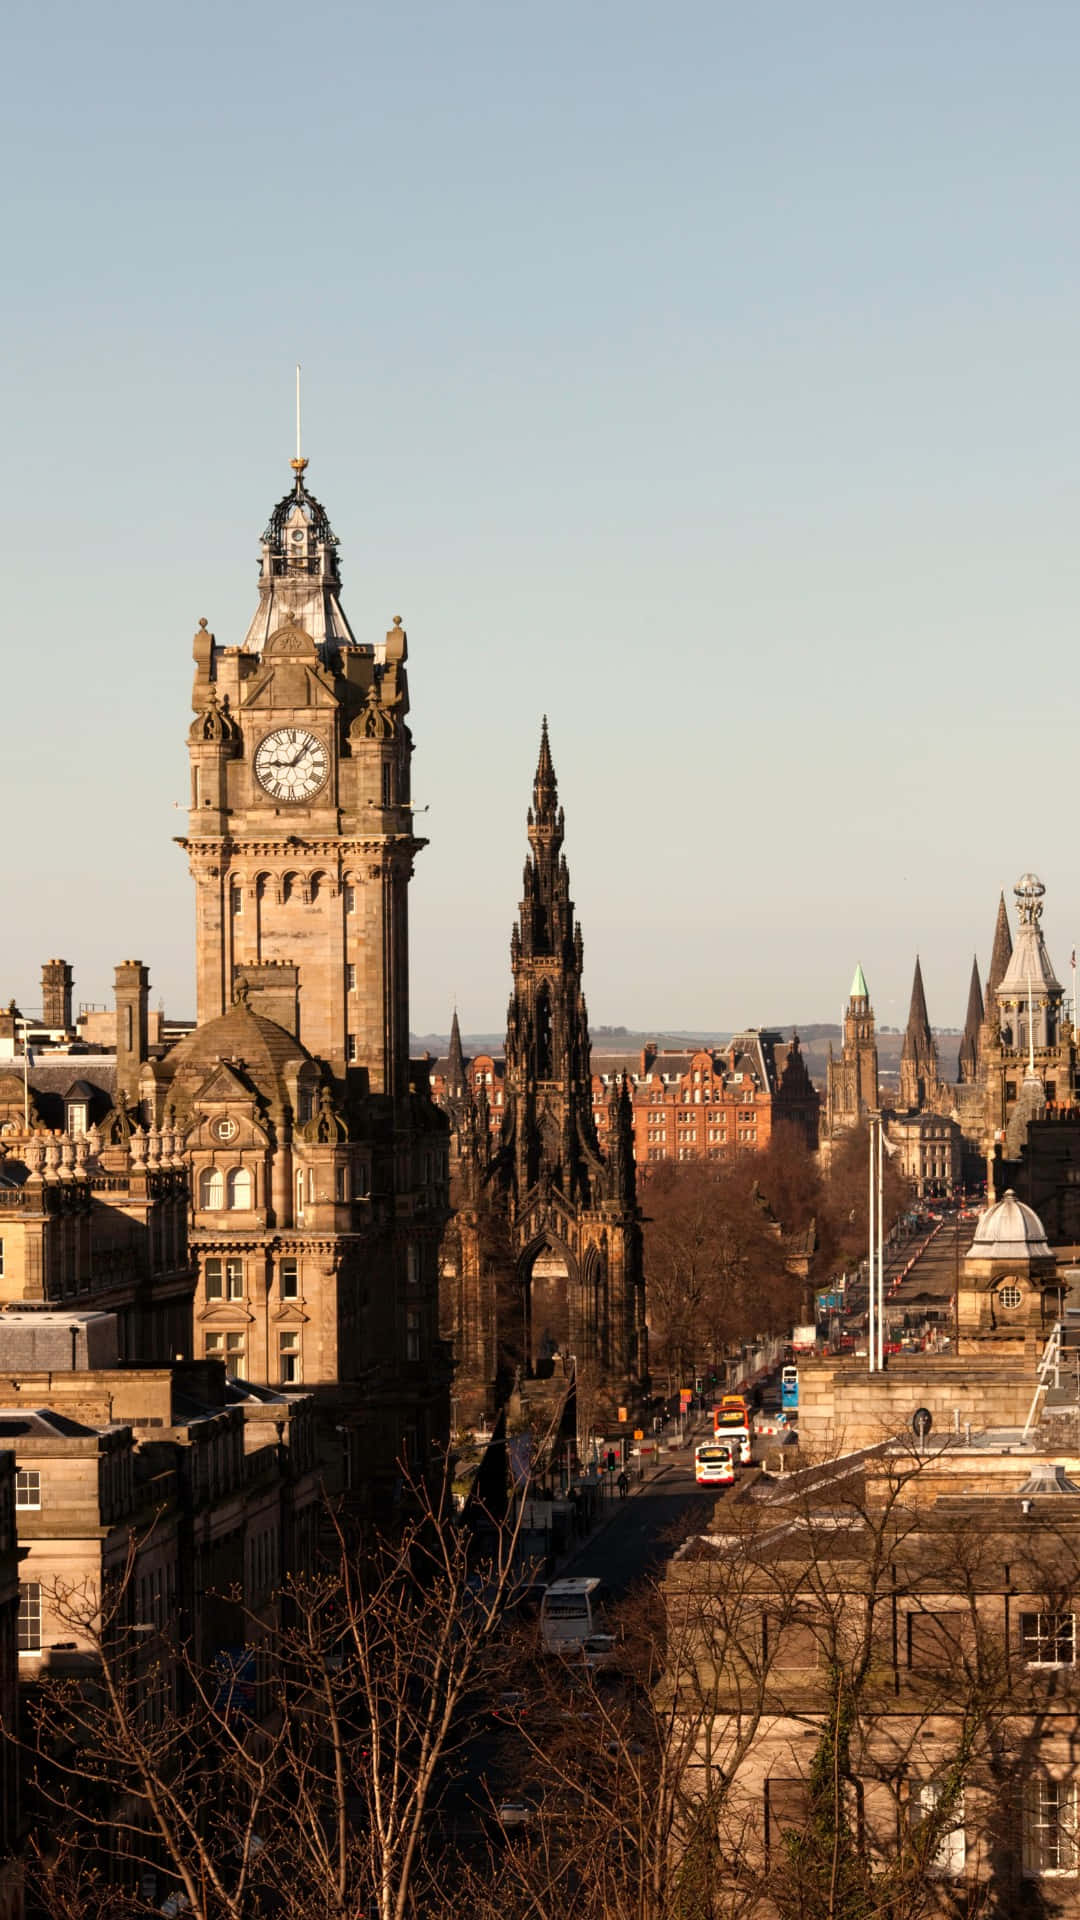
[714,1463]
[571,1612]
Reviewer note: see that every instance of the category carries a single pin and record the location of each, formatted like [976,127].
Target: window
[1048,1639]
[786,1807]
[77,1115]
[350,978]
[234,1279]
[300,1195]
[341,1183]
[950,1853]
[27,1487]
[363,1182]
[289,1359]
[387,785]
[1009,1297]
[937,1642]
[350,1047]
[412,1333]
[30,1616]
[234,1354]
[237,901]
[1049,1826]
[350,899]
[215,1346]
[240,1193]
[289,1278]
[212,1279]
[211,1188]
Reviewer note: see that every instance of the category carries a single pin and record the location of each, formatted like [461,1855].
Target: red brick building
[689,1104]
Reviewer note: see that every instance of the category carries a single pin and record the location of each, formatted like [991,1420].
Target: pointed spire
[859,988]
[918,1055]
[967,1066]
[1001,953]
[455,1061]
[545,791]
[918,1022]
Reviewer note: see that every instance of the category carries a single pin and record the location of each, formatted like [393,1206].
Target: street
[645,1529]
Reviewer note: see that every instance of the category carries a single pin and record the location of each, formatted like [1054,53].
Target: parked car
[514,1813]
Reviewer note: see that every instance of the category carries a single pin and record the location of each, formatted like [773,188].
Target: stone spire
[967,1066]
[1000,956]
[919,1074]
[455,1063]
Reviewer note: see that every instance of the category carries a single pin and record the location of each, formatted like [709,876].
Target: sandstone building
[851,1083]
[318,1160]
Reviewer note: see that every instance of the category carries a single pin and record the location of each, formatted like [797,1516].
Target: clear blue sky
[702,374]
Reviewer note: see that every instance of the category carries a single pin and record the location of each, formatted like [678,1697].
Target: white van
[571,1612]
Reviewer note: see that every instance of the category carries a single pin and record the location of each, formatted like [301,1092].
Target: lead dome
[1009,1230]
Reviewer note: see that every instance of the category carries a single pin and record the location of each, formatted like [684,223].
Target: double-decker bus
[714,1463]
[789,1389]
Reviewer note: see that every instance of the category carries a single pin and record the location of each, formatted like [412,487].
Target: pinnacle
[967,1063]
[859,988]
[918,1025]
[545,790]
[1001,953]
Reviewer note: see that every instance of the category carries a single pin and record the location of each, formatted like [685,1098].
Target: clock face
[291,764]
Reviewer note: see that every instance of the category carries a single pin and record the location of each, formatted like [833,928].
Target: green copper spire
[859,988]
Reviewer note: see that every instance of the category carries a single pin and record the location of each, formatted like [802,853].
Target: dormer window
[77,1117]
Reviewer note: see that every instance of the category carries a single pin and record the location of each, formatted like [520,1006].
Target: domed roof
[267,1051]
[1009,1231]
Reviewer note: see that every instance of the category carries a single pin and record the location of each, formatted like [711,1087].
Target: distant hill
[814,1036]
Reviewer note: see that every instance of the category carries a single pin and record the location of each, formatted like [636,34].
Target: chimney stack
[132,1013]
[56,995]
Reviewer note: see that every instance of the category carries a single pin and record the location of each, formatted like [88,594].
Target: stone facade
[542,1275]
[851,1083]
[318,1160]
[97,1218]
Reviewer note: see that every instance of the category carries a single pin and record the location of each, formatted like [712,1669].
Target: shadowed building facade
[542,1271]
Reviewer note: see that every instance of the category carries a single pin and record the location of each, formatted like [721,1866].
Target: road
[645,1528]
[931,1284]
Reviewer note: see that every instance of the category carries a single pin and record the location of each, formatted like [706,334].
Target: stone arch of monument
[549,1279]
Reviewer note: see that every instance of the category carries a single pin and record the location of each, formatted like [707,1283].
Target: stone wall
[842,1405]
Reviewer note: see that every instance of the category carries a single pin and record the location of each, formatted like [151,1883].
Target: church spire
[1000,955]
[967,1066]
[918,1055]
[455,1062]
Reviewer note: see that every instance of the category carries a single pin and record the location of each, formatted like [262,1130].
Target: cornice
[291,846]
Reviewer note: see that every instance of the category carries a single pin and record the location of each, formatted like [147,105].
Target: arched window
[240,1194]
[211,1189]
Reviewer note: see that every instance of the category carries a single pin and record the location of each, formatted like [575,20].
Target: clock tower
[300,836]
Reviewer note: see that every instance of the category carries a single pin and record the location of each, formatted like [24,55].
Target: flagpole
[871,1342]
[25,1082]
[881,1241]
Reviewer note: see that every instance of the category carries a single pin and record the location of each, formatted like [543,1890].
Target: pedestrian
[623,1484]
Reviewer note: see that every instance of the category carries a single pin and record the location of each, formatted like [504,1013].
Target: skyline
[708,390]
